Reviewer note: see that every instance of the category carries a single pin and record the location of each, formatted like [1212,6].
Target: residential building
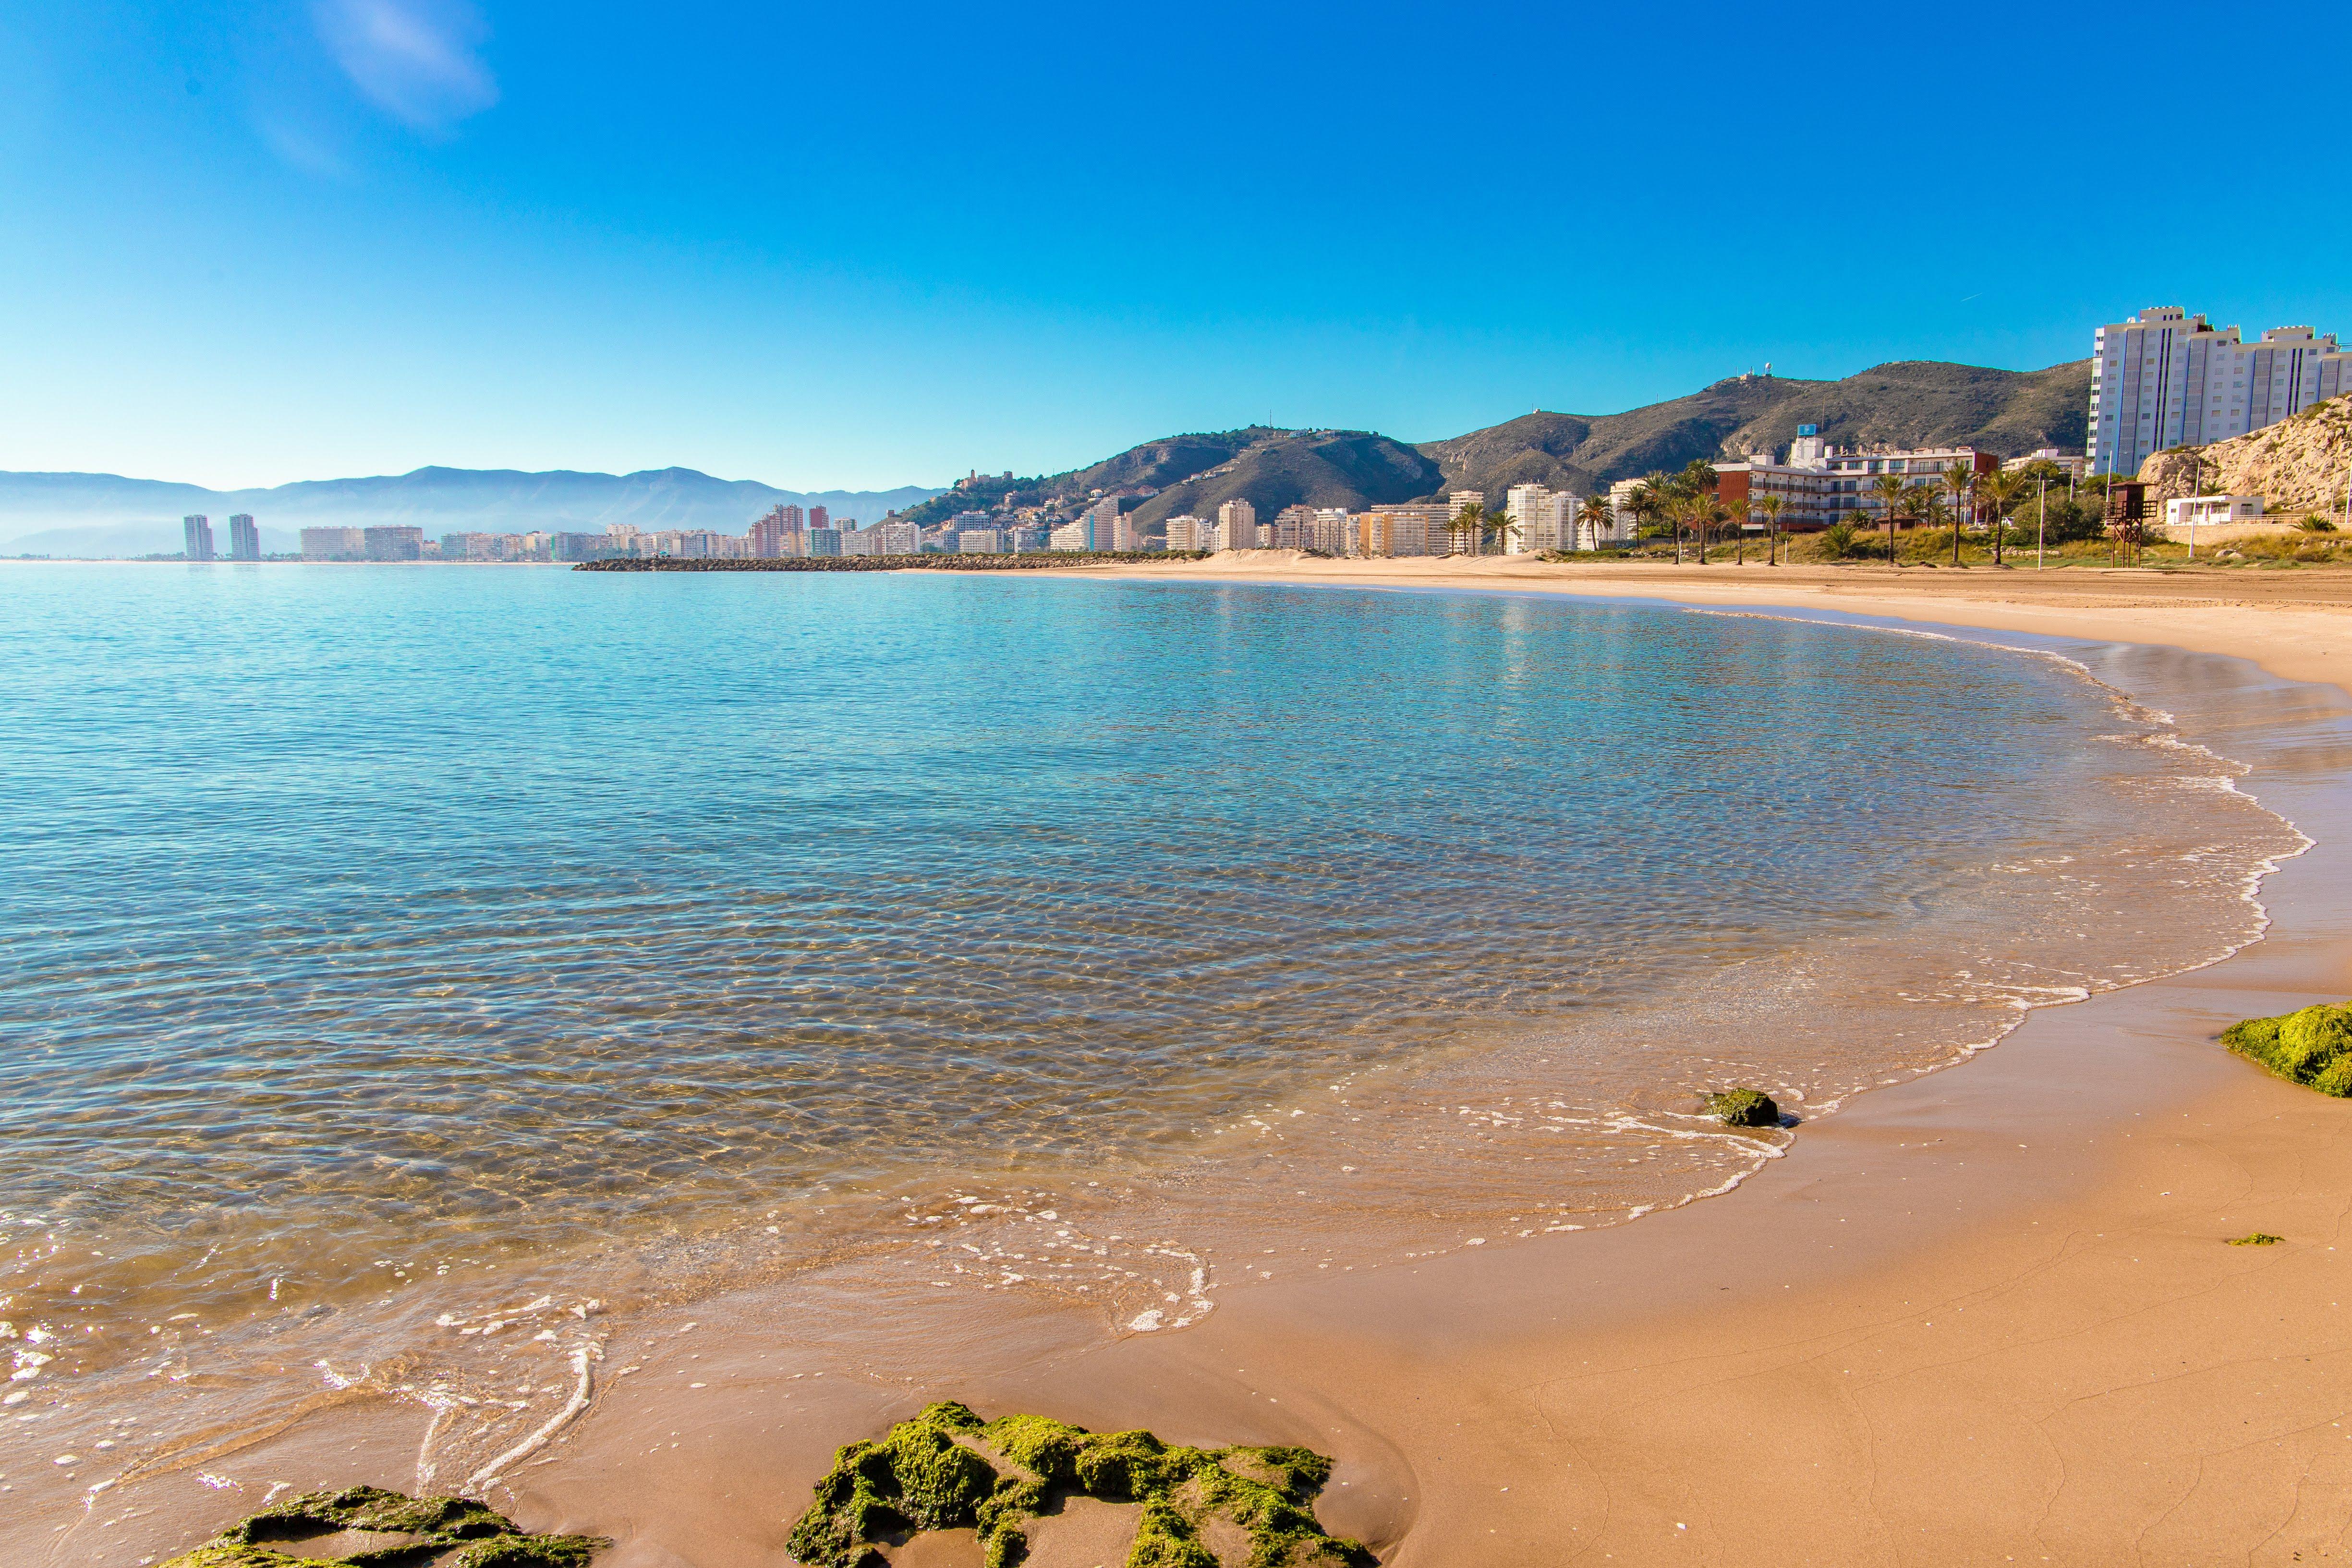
[2074,464]
[963,520]
[1293,528]
[2204,510]
[566,546]
[1411,529]
[196,529]
[243,538]
[1621,508]
[2165,378]
[1186,531]
[778,533]
[823,542]
[900,539]
[1071,536]
[1236,526]
[333,544]
[394,542]
[1332,532]
[818,517]
[980,541]
[1546,519]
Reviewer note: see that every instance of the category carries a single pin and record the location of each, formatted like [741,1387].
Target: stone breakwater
[1038,562]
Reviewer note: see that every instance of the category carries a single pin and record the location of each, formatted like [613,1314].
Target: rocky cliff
[2296,465]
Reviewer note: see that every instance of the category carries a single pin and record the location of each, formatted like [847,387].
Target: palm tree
[1890,494]
[2001,490]
[1771,506]
[1502,526]
[1960,480]
[1470,520]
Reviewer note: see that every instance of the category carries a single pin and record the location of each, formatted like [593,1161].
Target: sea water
[402,960]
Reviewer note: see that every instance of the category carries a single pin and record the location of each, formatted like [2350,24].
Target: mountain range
[102,515]
[1907,403]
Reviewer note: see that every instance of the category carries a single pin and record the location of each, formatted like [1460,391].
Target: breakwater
[1040,561]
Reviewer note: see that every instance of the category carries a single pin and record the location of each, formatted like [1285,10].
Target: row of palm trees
[1688,502]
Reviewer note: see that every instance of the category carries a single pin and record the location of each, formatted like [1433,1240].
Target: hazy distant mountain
[102,514]
[1917,403]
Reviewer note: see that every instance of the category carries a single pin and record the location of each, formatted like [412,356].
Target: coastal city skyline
[2162,377]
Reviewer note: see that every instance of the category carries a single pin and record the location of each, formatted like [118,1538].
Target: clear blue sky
[864,245]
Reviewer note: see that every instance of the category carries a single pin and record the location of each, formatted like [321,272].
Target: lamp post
[2041,524]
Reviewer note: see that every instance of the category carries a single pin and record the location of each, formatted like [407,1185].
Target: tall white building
[2165,378]
[1236,526]
[1546,518]
[198,531]
[1186,531]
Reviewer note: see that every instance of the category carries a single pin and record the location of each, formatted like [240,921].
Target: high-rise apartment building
[243,538]
[1411,530]
[2165,378]
[825,541]
[778,533]
[1545,519]
[334,544]
[1237,525]
[1293,528]
[818,517]
[1186,531]
[394,542]
[196,529]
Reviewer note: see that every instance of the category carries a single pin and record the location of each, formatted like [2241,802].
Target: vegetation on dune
[2313,1047]
[946,1468]
[1744,1108]
[446,1531]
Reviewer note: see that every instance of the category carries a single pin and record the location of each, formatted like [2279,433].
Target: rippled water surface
[380,944]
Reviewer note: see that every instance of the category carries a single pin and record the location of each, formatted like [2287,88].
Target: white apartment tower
[2165,378]
[1236,526]
[198,531]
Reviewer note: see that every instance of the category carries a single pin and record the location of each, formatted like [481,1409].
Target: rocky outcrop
[2296,465]
[368,1526]
[946,1468]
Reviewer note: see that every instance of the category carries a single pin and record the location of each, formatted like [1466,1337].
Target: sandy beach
[1985,1315]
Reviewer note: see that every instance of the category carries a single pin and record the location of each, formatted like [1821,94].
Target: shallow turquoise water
[355,919]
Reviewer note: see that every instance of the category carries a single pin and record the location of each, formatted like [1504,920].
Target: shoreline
[1642,1389]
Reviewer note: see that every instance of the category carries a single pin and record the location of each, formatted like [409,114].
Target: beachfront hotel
[2165,378]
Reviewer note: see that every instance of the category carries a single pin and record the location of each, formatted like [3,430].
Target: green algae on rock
[446,1531]
[1744,1108]
[2313,1047]
[946,1468]
[2256,1239]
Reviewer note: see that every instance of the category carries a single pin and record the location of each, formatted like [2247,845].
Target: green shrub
[2312,1047]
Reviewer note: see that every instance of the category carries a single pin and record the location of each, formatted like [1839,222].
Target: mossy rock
[448,1531]
[946,1468]
[1744,1108]
[2313,1047]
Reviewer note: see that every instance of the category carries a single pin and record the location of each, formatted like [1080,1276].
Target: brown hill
[1909,403]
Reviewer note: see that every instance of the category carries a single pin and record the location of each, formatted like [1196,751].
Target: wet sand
[1989,1314]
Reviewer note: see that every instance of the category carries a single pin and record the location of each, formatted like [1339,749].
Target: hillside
[103,514]
[2297,465]
[1907,403]
[1195,472]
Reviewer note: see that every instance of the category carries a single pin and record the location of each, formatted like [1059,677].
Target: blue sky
[864,246]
